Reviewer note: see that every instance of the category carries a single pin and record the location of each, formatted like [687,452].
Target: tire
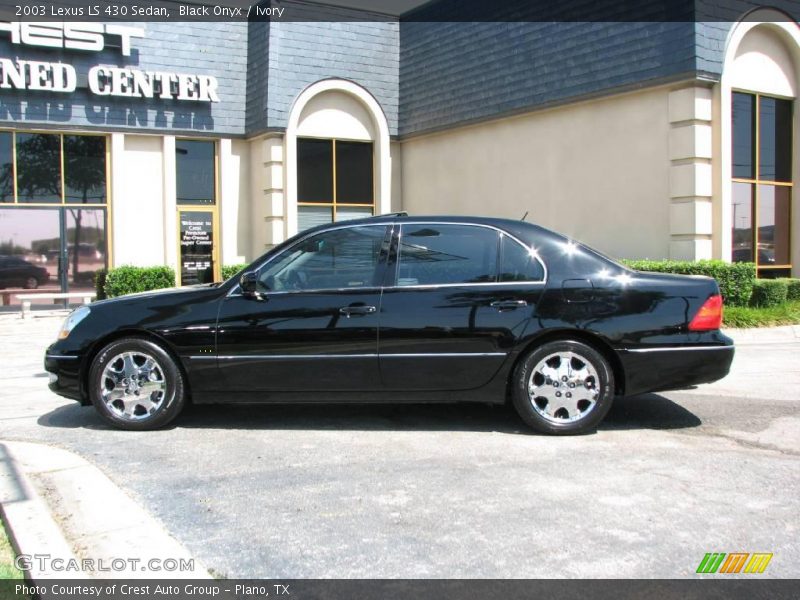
[135,384]
[549,373]
[31,283]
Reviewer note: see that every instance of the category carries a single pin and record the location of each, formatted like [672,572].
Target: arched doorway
[760,126]
[338,163]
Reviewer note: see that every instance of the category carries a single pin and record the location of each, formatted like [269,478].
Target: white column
[229,204]
[690,176]
[117,160]
[170,203]
[268,193]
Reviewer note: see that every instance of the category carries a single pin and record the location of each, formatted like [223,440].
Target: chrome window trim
[391,224]
[676,348]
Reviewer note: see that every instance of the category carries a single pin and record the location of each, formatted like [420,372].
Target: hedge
[129,280]
[768,293]
[793,289]
[229,271]
[735,280]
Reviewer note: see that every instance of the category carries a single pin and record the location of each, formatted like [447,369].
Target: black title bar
[402,10]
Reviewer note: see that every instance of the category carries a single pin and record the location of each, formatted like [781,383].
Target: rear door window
[441,254]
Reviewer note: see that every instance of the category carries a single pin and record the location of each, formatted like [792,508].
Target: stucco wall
[598,171]
[138,201]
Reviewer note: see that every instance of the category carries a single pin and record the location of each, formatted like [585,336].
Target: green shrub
[229,271]
[128,280]
[100,283]
[793,289]
[769,292]
[735,280]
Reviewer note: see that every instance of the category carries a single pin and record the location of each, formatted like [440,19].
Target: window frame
[334,204]
[757,181]
[394,258]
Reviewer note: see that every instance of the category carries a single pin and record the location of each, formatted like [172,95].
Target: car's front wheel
[31,283]
[135,384]
[563,387]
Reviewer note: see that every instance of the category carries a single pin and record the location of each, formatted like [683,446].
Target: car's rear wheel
[31,283]
[563,387]
[135,384]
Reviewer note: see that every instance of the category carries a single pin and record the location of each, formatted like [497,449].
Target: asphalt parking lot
[451,491]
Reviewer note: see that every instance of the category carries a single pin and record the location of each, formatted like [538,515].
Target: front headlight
[75,317]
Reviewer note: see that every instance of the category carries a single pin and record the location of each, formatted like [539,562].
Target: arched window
[338,165]
[760,125]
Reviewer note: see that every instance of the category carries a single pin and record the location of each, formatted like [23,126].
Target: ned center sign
[102,80]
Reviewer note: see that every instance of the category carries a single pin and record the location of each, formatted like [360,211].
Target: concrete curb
[786,334]
[32,528]
[58,504]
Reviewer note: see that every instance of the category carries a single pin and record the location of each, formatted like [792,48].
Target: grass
[7,568]
[745,317]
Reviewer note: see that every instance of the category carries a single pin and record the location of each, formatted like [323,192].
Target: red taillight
[709,316]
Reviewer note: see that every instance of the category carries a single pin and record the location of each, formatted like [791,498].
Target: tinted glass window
[442,254]
[86,246]
[85,169]
[517,262]
[314,170]
[742,213]
[195,177]
[743,134]
[354,173]
[6,168]
[775,139]
[38,167]
[773,225]
[343,258]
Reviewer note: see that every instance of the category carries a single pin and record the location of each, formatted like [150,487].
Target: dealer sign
[103,80]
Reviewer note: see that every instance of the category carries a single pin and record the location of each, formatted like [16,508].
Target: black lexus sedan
[401,309]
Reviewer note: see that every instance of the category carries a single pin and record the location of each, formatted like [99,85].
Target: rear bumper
[64,373]
[662,368]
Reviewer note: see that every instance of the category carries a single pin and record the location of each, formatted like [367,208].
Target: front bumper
[65,374]
[662,368]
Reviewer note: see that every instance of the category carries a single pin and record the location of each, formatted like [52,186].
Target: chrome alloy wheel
[133,386]
[563,387]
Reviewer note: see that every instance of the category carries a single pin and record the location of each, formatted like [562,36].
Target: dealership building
[202,144]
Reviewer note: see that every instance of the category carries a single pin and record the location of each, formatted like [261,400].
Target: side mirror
[249,284]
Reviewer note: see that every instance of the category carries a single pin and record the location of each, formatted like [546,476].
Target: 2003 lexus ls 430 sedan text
[401,309]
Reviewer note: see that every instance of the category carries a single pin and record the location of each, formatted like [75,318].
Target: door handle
[350,311]
[508,304]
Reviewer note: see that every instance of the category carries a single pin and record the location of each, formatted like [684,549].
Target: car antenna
[525,215]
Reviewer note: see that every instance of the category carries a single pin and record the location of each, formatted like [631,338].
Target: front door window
[335,260]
